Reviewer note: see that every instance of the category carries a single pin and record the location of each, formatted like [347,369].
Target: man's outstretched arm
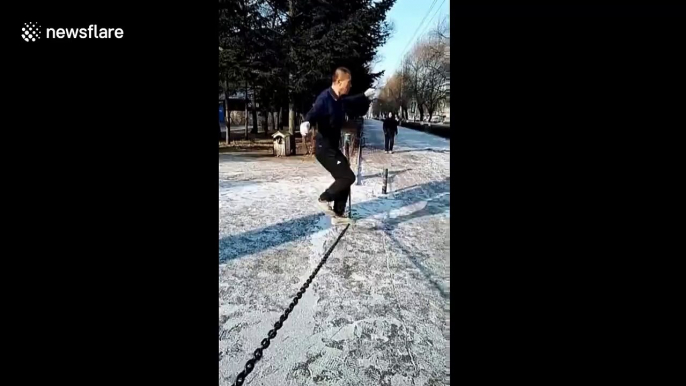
[358,104]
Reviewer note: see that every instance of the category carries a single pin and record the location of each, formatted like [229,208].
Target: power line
[426,26]
[432,18]
[409,43]
[421,23]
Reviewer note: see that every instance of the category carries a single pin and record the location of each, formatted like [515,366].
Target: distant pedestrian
[390,130]
[328,113]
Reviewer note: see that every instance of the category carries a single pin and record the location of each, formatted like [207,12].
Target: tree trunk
[227,114]
[291,106]
[273,114]
[254,111]
[265,122]
[254,119]
[291,118]
[279,119]
[246,109]
[227,119]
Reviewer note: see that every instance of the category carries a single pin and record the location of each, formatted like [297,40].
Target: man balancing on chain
[328,112]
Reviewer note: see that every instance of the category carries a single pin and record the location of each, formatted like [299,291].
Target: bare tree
[414,72]
[442,30]
[441,38]
[435,74]
[389,97]
[405,93]
[427,70]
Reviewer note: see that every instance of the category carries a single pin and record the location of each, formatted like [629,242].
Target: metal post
[346,145]
[385,181]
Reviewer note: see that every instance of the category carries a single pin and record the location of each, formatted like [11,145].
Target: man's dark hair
[339,71]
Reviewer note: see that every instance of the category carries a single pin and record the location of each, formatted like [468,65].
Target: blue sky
[406,16]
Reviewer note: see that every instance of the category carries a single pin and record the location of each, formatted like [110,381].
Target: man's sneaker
[340,220]
[390,152]
[324,206]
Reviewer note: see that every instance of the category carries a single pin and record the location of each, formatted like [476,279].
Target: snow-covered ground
[378,311]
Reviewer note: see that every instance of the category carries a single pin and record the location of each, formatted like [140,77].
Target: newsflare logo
[32,32]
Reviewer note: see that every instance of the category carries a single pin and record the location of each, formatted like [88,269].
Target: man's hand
[369,93]
[304,128]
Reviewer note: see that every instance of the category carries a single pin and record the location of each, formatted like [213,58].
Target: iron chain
[257,354]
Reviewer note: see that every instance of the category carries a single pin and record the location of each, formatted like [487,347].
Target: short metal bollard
[385,181]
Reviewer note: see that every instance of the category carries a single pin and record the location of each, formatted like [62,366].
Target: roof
[280,134]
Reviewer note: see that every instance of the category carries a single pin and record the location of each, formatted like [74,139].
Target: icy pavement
[378,311]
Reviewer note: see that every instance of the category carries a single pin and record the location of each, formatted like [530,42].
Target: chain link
[257,354]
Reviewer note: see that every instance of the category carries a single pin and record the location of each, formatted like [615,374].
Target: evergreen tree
[287,50]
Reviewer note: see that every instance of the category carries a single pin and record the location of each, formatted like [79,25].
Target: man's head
[341,81]
[390,115]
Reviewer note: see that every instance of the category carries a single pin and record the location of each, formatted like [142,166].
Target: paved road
[407,139]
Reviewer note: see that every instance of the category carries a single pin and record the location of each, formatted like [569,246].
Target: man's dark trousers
[335,162]
[390,138]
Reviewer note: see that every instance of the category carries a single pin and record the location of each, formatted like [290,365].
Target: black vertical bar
[385,181]
[347,156]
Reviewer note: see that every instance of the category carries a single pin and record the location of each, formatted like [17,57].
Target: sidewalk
[378,310]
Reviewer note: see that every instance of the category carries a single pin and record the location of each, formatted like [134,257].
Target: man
[328,113]
[390,130]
